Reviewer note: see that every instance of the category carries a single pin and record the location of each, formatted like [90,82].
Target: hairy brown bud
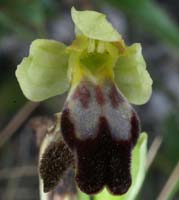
[56,159]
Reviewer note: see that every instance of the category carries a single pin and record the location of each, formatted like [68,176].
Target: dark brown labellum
[101,128]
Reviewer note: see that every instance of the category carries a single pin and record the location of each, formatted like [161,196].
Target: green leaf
[83,196]
[132,77]
[44,73]
[94,25]
[137,169]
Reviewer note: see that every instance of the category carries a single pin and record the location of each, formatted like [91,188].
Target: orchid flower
[102,75]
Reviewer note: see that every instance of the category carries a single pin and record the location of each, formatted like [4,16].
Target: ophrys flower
[103,77]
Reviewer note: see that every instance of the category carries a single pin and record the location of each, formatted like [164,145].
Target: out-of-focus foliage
[25,17]
[175,189]
[152,17]
[171,137]
[171,145]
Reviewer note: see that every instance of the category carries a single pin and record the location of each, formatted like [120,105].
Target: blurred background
[155,24]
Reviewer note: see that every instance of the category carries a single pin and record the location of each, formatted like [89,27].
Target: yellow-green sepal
[43,73]
[94,25]
[131,75]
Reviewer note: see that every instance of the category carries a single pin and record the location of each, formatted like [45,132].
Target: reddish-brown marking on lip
[115,97]
[99,96]
[82,93]
[135,128]
[68,128]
